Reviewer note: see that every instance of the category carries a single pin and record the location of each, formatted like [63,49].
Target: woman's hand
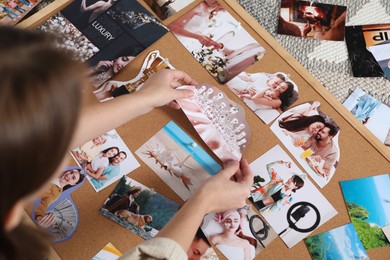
[160,88]
[221,192]
[46,221]
[103,64]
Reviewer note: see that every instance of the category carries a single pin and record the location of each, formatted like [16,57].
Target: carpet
[328,60]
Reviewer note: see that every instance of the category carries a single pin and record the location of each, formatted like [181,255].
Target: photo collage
[290,205]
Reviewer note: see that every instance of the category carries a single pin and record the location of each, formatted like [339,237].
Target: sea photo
[238,234]
[217,40]
[105,159]
[138,208]
[312,138]
[371,112]
[179,161]
[368,204]
[286,197]
[340,243]
[266,94]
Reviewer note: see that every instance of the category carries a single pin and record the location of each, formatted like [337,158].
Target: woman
[276,193]
[126,202]
[105,69]
[68,179]
[100,162]
[40,98]
[96,9]
[232,242]
[302,124]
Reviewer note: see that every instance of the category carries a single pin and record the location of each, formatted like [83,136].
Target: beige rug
[328,60]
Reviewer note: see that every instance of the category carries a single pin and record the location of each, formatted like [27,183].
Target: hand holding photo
[266,94]
[217,40]
[312,137]
[138,208]
[219,121]
[310,19]
[105,159]
[286,198]
[178,160]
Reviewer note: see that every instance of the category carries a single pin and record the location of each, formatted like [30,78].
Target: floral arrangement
[212,60]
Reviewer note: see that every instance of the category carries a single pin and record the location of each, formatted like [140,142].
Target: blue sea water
[373,193]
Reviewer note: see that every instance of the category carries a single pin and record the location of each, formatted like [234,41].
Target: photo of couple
[236,233]
[178,160]
[217,40]
[105,159]
[138,208]
[312,137]
[279,185]
[266,94]
[55,209]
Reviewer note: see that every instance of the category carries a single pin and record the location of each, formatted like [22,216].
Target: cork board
[361,153]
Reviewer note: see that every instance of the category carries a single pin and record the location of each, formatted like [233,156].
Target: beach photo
[55,210]
[368,204]
[266,94]
[371,112]
[287,199]
[138,208]
[217,40]
[339,243]
[238,234]
[312,138]
[310,19]
[219,121]
[105,159]
[179,161]
[167,8]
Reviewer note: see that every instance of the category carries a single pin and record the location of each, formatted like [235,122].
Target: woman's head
[135,191]
[309,123]
[71,178]
[99,140]
[110,152]
[275,80]
[39,107]
[295,183]
[232,220]
[120,62]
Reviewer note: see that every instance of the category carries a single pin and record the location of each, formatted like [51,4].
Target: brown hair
[39,107]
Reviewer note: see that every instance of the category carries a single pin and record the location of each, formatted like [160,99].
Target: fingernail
[190,93]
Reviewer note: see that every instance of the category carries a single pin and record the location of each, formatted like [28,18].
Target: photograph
[109,252]
[138,208]
[368,205]
[153,63]
[217,40]
[266,94]
[287,199]
[371,112]
[381,53]
[238,234]
[200,248]
[117,32]
[55,210]
[179,161]
[312,137]
[13,11]
[219,121]
[311,19]
[166,8]
[105,159]
[340,243]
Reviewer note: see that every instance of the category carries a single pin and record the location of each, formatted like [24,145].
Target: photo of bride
[217,40]
[266,94]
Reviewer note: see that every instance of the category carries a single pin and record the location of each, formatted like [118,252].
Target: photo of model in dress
[167,8]
[312,138]
[284,194]
[55,210]
[266,94]
[105,159]
[178,160]
[138,208]
[116,30]
[239,234]
[217,40]
[219,121]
